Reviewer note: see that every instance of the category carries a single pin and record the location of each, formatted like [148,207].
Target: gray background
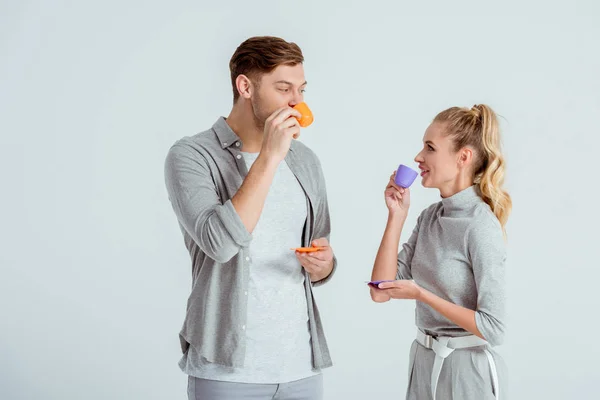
[94,274]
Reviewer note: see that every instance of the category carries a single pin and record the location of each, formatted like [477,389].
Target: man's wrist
[266,162]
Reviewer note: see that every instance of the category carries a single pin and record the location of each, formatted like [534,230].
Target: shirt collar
[225,134]
[227,137]
[462,200]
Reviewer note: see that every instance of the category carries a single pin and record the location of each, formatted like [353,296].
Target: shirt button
[225,144]
[237,144]
[244,327]
[239,156]
[245,293]
[247,258]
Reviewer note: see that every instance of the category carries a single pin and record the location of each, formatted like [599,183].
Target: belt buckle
[428,341]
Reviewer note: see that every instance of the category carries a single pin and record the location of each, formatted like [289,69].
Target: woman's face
[438,162]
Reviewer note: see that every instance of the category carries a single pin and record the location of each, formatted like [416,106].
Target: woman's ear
[465,157]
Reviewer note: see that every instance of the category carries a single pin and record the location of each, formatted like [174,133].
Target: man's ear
[244,86]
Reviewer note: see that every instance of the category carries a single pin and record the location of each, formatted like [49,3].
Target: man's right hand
[280,128]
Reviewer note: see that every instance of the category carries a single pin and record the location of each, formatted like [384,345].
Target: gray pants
[304,389]
[465,375]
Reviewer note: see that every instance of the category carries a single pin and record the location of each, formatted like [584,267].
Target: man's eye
[429,148]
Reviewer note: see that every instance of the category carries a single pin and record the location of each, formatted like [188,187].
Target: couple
[245,192]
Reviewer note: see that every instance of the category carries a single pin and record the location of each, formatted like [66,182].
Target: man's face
[284,86]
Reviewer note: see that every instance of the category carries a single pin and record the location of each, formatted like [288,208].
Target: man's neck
[241,120]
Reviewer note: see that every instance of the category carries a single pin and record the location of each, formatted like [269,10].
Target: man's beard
[259,113]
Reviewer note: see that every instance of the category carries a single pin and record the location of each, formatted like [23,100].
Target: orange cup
[307,117]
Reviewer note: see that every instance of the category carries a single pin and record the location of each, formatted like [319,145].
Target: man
[245,192]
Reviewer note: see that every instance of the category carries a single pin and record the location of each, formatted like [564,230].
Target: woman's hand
[401,289]
[397,199]
[378,295]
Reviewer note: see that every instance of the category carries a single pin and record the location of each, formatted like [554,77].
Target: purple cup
[405,176]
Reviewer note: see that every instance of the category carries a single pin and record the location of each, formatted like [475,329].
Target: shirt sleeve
[322,228]
[215,226]
[487,252]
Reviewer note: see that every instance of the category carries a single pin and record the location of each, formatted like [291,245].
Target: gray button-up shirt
[202,173]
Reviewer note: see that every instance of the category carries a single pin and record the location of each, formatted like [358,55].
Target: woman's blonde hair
[478,128]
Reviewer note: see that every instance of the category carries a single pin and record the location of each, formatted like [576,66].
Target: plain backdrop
[94,274]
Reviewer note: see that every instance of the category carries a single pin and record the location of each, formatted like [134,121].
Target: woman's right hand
[397,199]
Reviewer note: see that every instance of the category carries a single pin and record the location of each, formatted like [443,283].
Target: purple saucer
[376,283]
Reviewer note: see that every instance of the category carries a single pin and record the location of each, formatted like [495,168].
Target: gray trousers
[303,389]
[465,375]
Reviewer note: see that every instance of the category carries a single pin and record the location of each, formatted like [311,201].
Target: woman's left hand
[401,289]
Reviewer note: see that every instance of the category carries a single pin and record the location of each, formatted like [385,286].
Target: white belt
[443,346]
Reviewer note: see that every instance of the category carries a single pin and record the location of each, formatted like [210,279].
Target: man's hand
[319,263]
[280,128]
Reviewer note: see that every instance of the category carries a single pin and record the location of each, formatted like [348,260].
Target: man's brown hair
[260,55]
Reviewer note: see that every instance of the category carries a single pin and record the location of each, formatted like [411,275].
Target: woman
[453,263]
